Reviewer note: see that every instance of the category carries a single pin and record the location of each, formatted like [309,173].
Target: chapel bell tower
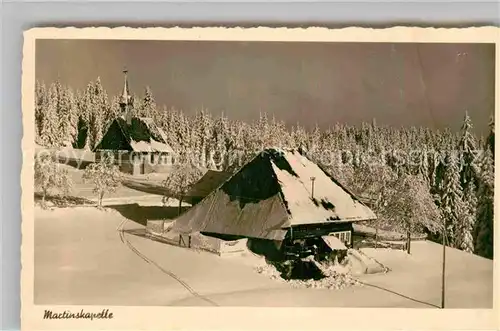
[126,101]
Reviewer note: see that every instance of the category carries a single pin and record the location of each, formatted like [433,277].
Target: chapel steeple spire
[126,101]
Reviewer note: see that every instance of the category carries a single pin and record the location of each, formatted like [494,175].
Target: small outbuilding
[210,181]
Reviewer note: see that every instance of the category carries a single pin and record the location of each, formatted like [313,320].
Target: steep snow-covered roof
[270,194]
[329,201]
[149,146]
[141,135]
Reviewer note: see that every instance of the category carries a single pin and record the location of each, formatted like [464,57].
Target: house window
[343,236]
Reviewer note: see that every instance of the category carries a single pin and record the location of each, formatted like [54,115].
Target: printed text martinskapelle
[104,314]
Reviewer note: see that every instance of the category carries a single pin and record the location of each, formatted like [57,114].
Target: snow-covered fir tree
[238,134]
[452,206]
[42,99]
[221,143]
[263,129]
[314,143]
[490,140]
[136,106]
[87,113]
[99,108]
[148,105]
[467,149]
[484,232]
[469,222]
[73,116]
[299,136]
[114,111]
[200,137]
[278,136]
[50,125]
[82,120]
[468,179]
[67,115]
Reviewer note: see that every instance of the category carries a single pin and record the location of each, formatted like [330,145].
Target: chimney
[126,100]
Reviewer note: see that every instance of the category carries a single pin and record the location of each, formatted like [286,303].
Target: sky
[398,84]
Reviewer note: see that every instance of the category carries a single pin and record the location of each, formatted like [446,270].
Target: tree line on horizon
[425,175]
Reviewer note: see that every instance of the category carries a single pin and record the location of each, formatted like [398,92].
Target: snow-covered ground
[469,278]
[81,258]
[122,195]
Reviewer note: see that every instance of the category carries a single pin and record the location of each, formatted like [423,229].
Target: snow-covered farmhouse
[138,145]
[280,197]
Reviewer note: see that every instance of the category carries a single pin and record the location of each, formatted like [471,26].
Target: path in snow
[80,258]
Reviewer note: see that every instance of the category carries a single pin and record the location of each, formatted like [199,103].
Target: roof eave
[345,220]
